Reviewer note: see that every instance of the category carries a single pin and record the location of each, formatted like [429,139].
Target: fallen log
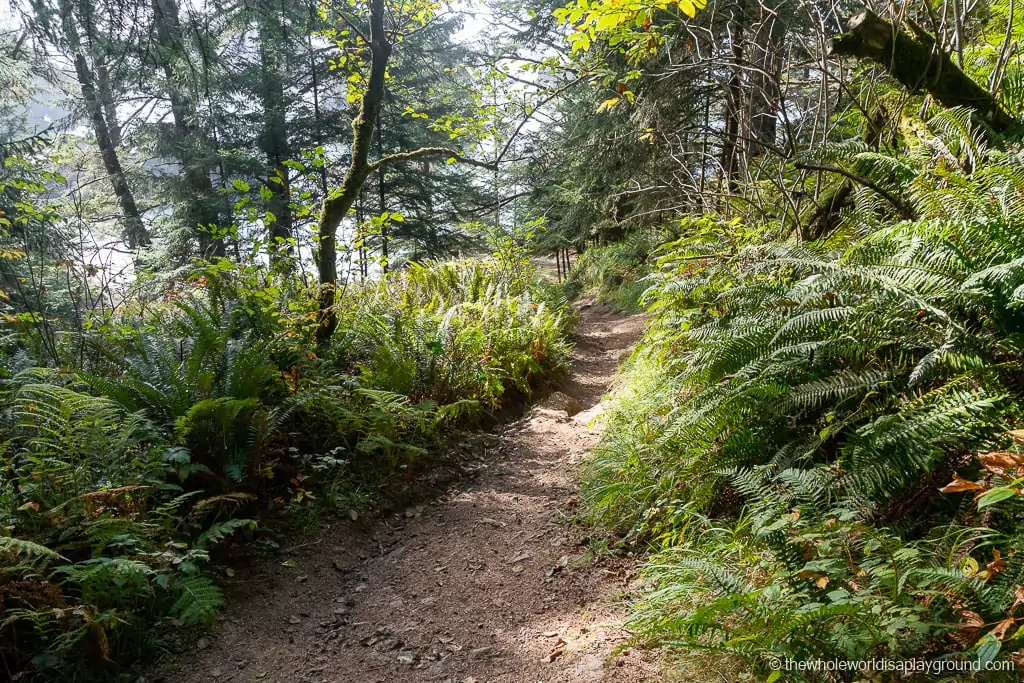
[914,59]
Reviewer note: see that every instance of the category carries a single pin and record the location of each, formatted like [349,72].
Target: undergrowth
[795,408]
[179,423]
[615,273]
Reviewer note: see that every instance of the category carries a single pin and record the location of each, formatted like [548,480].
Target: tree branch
[902,207]
[398,157]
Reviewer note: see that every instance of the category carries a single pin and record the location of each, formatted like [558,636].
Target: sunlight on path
[487,583]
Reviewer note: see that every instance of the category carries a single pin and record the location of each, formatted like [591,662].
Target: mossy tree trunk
[913,58]
[340,201]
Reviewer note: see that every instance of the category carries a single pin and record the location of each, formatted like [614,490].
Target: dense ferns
[188,422]
[816,396]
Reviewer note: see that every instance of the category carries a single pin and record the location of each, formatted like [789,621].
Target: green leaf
[996,495]
[987,649]
[240,185]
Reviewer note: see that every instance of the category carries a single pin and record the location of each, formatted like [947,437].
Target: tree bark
[107,99]
[914,59]
[733,105]
[382,202]
[763,112]
[135,232]
[826,217]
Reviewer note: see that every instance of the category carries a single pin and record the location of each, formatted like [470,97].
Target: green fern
[199,599]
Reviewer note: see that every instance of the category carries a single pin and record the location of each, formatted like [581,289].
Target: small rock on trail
[487,583]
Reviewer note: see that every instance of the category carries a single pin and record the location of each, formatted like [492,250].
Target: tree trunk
[733,105]
[337,205]
[135,232]
[202,201]
[382,201]
[106,95]
[275,137]
[916,61]
[763,121]
[825,218]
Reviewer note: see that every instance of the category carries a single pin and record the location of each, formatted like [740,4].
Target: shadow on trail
[487,583]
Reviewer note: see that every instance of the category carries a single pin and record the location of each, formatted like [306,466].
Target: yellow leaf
[608,21]
[608,104]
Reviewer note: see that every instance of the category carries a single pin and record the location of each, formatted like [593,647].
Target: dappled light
[511,340]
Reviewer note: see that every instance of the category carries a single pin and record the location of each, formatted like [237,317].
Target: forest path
[489,582]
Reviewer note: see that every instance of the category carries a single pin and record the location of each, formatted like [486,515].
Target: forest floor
[486,581]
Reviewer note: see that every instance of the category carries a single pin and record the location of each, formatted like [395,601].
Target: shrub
[463,330]
[795,409]
[616,272]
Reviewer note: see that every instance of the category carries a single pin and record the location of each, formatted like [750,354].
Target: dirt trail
[487,583]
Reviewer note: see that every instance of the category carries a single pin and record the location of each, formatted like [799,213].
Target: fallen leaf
[996,565]
[1018,597]
[557,651]
[822,582]
[520,558]
[972,621]
[960,484]
[997,461]
[1001,628]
